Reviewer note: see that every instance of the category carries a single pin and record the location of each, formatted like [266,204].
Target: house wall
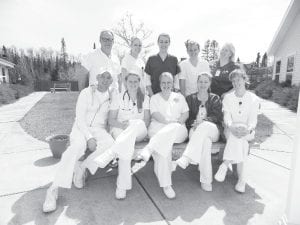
[5,72]
[289,46]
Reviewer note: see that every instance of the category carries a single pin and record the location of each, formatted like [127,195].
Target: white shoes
[105,158]
[183,162]
[50,200]
[169,192]
[221,173]
[206,187]
[240,186]
[79,176]
[120,194]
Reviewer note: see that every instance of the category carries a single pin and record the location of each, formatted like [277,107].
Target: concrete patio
[27,168]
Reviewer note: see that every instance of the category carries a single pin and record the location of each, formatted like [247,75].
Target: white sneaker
[50,200]
[79,176]
[137,166]
[105,158]
[120,193]
[183,162]
[221,173]
[206,187]
[240,186]
[169,192]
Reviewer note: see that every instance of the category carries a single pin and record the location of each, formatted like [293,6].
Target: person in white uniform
[128,122]
[191,68]
[132,62]
[205,125]
[169,111]
[89,131]
[102,58]
[240,109]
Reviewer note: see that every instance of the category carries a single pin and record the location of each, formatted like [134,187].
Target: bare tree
[127,28]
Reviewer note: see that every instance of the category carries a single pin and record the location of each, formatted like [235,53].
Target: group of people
[166,101]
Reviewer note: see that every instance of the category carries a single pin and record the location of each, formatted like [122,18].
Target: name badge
[217,73]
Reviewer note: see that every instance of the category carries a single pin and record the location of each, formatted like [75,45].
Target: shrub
[266,88]
[11,92]
[7,94]
[279,93]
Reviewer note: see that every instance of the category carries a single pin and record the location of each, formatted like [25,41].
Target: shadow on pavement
[194,206]
[95,204]
[47,161]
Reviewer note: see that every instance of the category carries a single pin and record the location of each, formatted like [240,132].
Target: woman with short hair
[240,108]
[169,111]
[205,126]
[191,68]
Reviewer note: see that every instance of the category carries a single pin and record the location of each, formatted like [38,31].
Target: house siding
[289,46]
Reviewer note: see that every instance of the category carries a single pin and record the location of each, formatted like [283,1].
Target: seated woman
[169,111]
[128,123]
[205,125]
[240,109]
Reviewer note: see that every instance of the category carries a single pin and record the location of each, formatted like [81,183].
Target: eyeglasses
[107,39]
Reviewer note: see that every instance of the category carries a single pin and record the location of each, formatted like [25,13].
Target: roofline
[6,63]
[287,12]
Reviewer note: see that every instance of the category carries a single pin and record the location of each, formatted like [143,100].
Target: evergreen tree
[213,50]
[264,61]
[94,46]
[257,61]
[64,55]
[238,60]
[205,50]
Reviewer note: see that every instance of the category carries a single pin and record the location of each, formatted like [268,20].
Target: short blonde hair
[239,73]
[166,74]
[164,35]
[206,74]
[191,42]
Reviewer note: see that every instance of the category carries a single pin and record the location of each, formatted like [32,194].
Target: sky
[249,24]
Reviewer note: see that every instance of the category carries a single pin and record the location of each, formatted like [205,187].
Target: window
[3,72]
[289,70]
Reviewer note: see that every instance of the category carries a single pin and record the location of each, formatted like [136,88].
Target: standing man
[102,58]
[89,131]
[159,63]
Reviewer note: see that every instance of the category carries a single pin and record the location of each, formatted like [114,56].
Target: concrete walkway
[27,168]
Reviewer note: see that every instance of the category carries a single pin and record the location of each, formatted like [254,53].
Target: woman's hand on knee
[92,144]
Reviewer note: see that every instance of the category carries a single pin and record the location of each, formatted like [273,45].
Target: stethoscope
[130,106]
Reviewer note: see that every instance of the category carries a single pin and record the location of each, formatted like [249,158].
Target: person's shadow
[94,204]
[193,205]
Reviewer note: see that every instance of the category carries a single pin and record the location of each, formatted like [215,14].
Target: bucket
[58,144]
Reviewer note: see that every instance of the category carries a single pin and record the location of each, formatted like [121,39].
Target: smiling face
[225,53]
[166,83]
[106,41]
[203,83]
[163,43]
[238,83]
[104,81]
[193,50]
[132,82]
[136,46]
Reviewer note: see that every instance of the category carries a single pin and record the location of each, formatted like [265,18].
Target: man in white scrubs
[102,58]
[89,131]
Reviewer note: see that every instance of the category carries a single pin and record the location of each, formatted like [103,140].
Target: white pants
[161,143]
[124,148]
[237,149]
[199,148]
[77,148]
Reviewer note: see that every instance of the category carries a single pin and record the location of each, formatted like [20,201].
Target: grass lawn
[55,113]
